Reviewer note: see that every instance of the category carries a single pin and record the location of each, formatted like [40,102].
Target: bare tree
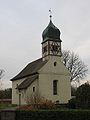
[1,75]
[33,99]
[37,101]
[75,65]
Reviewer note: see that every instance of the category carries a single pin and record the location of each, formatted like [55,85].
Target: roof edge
[23,77]
[25,87]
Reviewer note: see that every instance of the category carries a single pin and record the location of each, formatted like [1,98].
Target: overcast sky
[23,21]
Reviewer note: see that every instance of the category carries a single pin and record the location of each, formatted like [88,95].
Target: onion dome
[51,33]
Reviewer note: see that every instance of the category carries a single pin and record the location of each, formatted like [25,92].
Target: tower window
[33,89]
[55,87]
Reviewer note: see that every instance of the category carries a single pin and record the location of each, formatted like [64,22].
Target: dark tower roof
[51,33]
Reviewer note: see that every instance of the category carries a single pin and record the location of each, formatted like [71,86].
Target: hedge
[53,115]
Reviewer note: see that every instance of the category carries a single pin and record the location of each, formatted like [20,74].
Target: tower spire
[51,44]
[50,12]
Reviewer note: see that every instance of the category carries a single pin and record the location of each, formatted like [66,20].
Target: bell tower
[51,44]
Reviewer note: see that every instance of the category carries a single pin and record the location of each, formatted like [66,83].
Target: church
[46,76]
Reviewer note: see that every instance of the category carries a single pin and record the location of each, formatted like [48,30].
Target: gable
[55,66]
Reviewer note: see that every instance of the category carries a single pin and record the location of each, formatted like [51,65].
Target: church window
[33,89]
[57,101]
[55,87]
[55,63]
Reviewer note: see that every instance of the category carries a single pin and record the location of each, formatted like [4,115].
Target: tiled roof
[27,82]
[31,69]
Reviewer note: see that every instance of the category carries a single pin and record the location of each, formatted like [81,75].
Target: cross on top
[50,12]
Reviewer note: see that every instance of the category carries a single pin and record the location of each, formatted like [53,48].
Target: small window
[55,87]
[57,101]
[33,89]
[55,63]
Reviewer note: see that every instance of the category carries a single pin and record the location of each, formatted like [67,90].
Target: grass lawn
[5,106]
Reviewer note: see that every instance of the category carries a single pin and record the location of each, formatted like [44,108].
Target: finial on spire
[50,12]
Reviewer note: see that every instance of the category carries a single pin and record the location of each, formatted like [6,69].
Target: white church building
[46,76]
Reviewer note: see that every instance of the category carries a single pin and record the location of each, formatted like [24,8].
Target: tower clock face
[55,48]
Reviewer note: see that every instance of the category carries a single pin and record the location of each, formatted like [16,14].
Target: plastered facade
[44,84]
[48,73]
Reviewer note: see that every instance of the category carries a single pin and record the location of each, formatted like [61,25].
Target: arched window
[33,89]
[55,87]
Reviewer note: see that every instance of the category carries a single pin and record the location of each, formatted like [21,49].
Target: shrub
[72,103]
[83,96]
[46,104]
[38,102]
[24,107]
[53,115]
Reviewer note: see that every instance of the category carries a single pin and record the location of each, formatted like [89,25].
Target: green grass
[5,106]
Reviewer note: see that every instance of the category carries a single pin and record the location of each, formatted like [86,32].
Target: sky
[22,23]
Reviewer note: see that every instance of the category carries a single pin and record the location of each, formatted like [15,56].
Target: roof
[51,32]
[28,81]
[31,69]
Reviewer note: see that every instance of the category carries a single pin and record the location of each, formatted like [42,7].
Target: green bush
[83,96]
[53,115]
[72,103]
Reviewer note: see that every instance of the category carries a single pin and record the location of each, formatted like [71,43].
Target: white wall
[15,93]
[44,84]
[48,73]
[24,92]
[30,92]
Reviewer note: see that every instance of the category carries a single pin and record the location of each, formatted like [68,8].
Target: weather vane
[50,12]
